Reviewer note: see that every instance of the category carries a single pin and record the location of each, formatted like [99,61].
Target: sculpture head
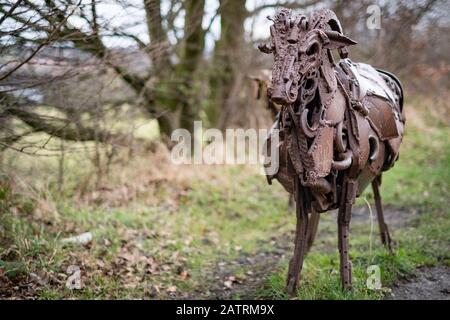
[299,44]
[303,80]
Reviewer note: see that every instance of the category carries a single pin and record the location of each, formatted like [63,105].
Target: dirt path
[430,283]
[257,268]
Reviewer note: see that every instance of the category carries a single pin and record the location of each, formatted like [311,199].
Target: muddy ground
[431,283]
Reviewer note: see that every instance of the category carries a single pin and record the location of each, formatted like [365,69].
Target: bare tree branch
[10,11]
[285,4]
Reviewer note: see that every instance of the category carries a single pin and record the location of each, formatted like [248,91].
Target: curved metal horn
[343,164]
[322,16]
[338,40]
[290,97]
[341,144]
[310,132]
[374,148]
[320,185]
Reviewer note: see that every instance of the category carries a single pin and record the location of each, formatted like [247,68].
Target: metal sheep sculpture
[339,127]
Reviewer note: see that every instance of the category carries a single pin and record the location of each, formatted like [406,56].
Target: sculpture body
[340,126]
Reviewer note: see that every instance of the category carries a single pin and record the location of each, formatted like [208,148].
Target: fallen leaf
[166,267]
[172,289]
[184,275]
[100,263]
[37,279]
[228,284]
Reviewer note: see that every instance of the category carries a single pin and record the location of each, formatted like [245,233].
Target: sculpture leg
[313,225]
[296,263]
[384,230]
[344,216]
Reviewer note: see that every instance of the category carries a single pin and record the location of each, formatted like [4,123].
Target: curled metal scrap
[340,126]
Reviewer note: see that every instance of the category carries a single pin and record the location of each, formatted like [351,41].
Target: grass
[210,221]
[159,231]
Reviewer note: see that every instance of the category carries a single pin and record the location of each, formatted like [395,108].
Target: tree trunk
[191,57]
[178,89]
[158,38]
[227,55]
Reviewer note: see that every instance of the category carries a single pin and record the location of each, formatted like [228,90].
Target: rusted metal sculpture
[340,126]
